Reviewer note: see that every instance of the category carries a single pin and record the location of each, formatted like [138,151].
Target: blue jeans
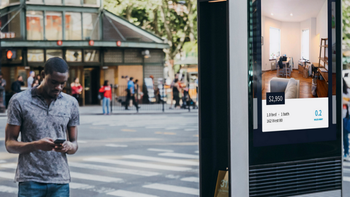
[105,103]
[4,96]
[346,125]
[35,189]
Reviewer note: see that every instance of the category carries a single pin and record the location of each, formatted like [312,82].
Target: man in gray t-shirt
[42,115]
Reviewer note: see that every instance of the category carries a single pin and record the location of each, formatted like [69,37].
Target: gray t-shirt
[38,120]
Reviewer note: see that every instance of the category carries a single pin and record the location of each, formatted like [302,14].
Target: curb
[135,113]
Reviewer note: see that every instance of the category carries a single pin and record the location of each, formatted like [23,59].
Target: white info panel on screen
[295,114]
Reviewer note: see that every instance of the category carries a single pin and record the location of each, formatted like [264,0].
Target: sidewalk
[97,110]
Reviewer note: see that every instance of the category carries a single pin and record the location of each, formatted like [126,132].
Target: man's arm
[71,145]
[14,146]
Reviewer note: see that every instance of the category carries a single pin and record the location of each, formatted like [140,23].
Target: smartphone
[59,141]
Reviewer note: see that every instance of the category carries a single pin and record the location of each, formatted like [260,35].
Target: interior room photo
[294,48]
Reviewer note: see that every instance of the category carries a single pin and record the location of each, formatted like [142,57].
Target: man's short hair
[19,76]
[55,64]
[131,78]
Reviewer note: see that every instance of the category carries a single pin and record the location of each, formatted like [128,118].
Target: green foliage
[346,23]
[191,49]
[163,18]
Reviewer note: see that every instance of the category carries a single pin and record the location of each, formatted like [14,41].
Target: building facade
[96,44]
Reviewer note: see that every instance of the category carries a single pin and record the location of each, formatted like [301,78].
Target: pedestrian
[137,90]
[76,88]
[172,87]
[176,93]
[16,85]
[107,96]
[3,84]
[38,77]
[43,114]
[130,94]
[346,130]
[30,79]
[35,83]
[346,120]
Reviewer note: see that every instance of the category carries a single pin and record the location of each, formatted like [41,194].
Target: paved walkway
[96,110]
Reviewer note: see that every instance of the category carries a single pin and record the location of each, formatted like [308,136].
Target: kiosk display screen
[293,67]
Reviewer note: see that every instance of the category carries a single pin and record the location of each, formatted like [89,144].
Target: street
[130,156]
[126,156]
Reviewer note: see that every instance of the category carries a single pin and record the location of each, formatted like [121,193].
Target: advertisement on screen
[294,73]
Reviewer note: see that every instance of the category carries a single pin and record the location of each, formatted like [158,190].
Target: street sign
[11,54]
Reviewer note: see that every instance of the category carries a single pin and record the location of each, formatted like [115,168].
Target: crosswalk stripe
[80,186]
[113,169]
[7,175]
[123,193]
[196,152]
[9,165]
[95,177]
[346,178]
[190,179]
[172,188]
[179,155]
[159,150]
[163,160]
[7,189]
[117,145]
[138,164]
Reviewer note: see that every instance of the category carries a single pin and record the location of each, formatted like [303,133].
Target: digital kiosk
[270,97]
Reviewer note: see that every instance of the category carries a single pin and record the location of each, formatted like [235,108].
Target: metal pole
[189,107]
[2,89]
[111,103]
[161,92]
[137,98]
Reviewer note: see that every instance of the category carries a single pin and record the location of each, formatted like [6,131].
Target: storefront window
[53,53]
[4,3]
[35,25]
[35,55]
[91,2]
[89,31]
[57,2]
[91,56]
[34,1]
[13,28]
[53,26]
[73,55]
[72,2]
[73,26]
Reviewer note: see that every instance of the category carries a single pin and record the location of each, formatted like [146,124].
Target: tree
[175,21]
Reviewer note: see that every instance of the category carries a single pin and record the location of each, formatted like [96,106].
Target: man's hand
[45,144]
[63,148]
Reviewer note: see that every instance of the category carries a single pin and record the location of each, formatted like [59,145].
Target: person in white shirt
[30,79]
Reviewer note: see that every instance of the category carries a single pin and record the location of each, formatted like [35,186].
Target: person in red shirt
[107,96]
[76,88]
